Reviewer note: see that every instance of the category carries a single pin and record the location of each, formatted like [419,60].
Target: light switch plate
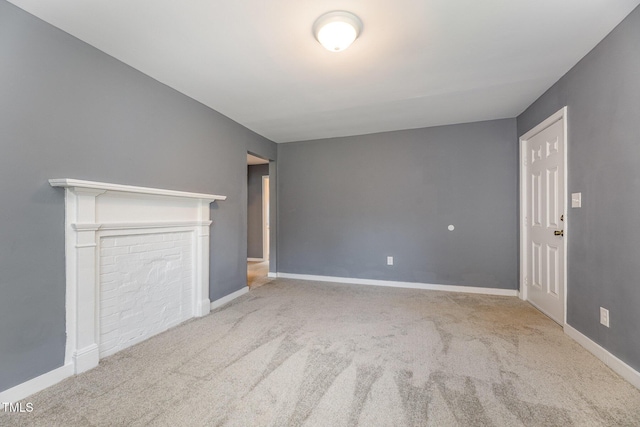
[576,200]
[604,316]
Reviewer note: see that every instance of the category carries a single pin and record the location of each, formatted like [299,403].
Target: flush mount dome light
[337,30]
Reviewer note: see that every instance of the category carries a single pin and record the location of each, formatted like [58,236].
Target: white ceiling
[417,63]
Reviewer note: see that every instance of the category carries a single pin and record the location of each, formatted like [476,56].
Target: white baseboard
[222,301]
[617,365]
[37,384]
[86,358]
[272,275]
[202,308]
[409,285]
[255,259]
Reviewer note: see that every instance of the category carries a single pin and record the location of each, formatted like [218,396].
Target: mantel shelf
[77,183]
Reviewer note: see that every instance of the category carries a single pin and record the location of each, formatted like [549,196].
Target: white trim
[143,225]
[255,259]
[77,183]
[27,388]
[222,301]
[617,365]
[265,216]
[522,159]
[409,285]
[557,116]
[272,275]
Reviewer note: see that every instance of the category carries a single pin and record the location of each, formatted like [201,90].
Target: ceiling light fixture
[337,30]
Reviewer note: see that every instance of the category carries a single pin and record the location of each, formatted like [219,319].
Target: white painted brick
[114,251]
[109,277]
[128,258]
[151,254]
[152,238]
[107,328]
[128,240]
[107,242]
[106,261]
[109,336]
[107,348]
[146,286]
[138,248]
[165,245]
[173,236]
[131,335]
[108,294]
[109,313]
[109,268]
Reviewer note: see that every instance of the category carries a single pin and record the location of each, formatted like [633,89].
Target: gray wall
[345,204]
[602,93]
[254,209]
[68,110]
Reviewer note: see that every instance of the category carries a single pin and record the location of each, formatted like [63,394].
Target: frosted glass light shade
[337,30]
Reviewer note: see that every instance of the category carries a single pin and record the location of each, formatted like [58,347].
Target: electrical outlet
[389,260]
[604,316]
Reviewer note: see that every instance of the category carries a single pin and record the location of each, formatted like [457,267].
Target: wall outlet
[389,260]
[604,316]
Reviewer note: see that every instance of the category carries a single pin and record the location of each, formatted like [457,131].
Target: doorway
[543,218]
[258,230]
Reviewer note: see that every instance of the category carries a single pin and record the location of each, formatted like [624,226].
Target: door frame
[266,231]
[560,115]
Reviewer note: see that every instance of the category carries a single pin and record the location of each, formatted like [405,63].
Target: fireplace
[137,263]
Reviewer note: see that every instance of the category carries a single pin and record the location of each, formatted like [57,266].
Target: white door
[265,218]
[544,216]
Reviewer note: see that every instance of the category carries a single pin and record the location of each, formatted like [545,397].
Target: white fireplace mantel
[96,209]
[77,183]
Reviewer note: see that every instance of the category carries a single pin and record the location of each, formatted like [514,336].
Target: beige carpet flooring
[293,353]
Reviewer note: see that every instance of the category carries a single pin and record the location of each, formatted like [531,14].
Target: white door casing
[265,218]
[542,216]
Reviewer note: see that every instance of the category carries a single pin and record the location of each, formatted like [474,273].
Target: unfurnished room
[320,213]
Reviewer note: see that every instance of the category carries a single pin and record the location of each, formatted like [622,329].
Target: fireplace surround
[137,263]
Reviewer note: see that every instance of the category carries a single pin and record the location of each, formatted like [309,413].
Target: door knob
[558,233]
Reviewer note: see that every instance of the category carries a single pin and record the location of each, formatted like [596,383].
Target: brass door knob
[558,233]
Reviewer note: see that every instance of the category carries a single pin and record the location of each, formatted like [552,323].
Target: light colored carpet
[294,353]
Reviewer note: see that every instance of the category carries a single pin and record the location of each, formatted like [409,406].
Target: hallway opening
[258,236]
